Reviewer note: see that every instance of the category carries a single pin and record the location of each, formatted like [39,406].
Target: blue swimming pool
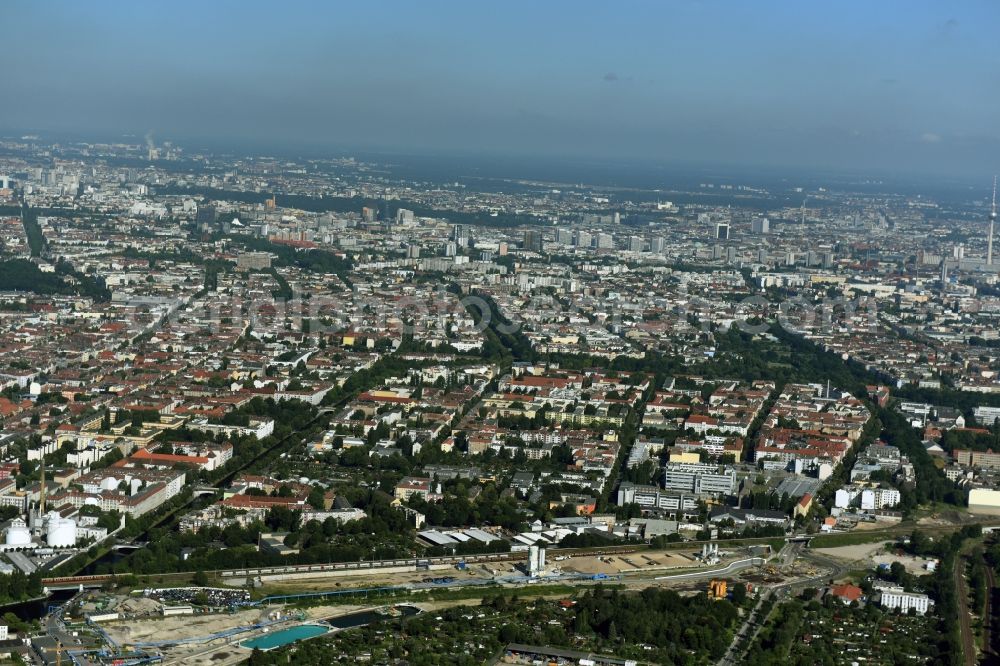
[285,636]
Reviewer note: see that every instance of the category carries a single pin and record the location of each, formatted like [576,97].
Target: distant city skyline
[891,86]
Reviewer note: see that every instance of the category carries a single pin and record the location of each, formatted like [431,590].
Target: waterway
[285,637]
[362,618]
[339,623]
[103,564]
[36,609]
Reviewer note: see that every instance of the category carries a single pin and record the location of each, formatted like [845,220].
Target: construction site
[220,625]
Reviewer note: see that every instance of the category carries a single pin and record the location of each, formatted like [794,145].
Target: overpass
[730,568]
[75,582]
[801,538]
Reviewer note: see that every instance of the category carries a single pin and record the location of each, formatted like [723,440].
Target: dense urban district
[273,410]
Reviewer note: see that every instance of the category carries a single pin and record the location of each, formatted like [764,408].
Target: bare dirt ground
[861,551]
[631,563]
[874,554]
[914,565]
[945,518]
[181,626]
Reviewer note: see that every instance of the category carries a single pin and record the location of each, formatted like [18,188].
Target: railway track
[344,566]
[873,535]
[964,621]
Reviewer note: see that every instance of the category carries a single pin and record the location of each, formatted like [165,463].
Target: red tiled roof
[847,591]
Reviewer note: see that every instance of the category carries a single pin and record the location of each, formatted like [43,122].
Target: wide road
[751,622]
[964,621]
[990,656]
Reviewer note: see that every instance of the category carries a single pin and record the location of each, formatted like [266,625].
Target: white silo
[60,532]
[536,561]
[18,534]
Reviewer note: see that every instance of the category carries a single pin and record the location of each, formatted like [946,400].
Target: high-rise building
[583,239]
[760,225]
[605,241]
[635,244]
[368,214]
[722,231]
[533,240]
[564,236]
[657,244]
[404,216]
[205,215]
[450,249]
[617,218]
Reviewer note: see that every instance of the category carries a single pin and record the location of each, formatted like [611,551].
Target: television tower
[993,219]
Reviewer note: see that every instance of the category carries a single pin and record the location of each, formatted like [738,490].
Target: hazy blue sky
[880,84]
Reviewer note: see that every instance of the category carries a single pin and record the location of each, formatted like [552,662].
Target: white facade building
[895,598]
[879,498]
[869,499]
[986,416]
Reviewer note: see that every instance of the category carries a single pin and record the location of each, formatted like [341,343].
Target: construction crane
[59,653]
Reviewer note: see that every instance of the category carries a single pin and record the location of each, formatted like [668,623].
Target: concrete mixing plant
[536,561]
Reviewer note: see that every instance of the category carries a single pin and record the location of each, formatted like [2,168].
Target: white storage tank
[18,534]
[60,532]
[984,500]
